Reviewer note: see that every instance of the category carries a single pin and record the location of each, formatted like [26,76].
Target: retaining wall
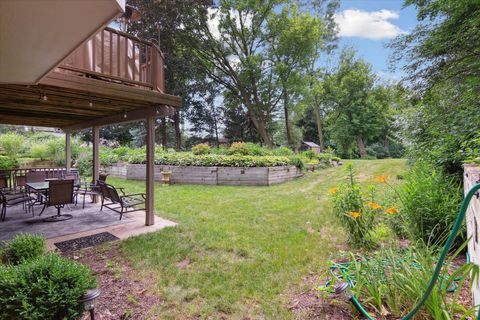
[248,176]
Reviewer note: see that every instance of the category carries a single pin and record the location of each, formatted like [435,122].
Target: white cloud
[371,25]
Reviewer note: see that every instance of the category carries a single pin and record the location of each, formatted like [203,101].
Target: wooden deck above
[73,102]
[113,77]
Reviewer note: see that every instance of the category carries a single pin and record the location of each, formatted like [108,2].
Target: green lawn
[244,250]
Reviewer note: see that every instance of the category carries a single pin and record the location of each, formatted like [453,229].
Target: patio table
[38,186]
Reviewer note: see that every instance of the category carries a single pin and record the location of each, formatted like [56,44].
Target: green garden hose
[438,268]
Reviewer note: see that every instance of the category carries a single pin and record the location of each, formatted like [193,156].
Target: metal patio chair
[120,203]
[60,194]
[12,199]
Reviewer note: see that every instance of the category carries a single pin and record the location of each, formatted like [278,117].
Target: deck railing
[17,178]
[118,57]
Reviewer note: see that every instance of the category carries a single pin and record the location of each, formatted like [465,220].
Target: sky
[367,25]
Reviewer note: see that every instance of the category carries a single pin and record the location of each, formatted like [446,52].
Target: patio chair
[12,199]
[92,190]
[120,203]
[36,176]
[60,193]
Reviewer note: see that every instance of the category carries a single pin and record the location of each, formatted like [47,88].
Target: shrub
[356,218]
[309,154]
[283,151]
[7,163]
[39,151]
[248,149]
[48,287]
[12,144]
[22,248]
[430,202]
[84,164]
[201,148]
[121,152]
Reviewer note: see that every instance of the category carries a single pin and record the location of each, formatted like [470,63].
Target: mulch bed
[123,296]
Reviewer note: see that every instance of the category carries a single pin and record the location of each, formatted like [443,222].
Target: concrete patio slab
[85,222]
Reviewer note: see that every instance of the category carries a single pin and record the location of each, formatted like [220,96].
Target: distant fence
[248,176]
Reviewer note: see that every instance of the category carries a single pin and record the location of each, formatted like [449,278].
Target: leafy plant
[12,144]
[7,163]
[23,247]
[349,208]
[430,200]
[391,281]
[201,148]
[283,151]
[48,287]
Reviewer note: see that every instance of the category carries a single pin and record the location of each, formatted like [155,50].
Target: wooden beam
[68,152]
[106,88]
[150,201]
[127,116]
[96,153]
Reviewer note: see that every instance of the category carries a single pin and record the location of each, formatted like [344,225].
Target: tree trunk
[163,132]
[178,133]
[259,124]
[321,141]
[287,122]
[361,147]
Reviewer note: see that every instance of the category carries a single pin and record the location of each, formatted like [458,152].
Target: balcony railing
[118,57]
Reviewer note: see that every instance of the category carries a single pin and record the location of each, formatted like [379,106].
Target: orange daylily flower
[333,190]
[354,214]
[391,210]
[382,179]
[374,205]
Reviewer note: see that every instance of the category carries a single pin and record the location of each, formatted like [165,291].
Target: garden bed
[250,176]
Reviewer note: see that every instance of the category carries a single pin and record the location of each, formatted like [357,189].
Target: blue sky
[367,25]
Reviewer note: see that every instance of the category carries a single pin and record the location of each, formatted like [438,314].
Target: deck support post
[68,152]
[96,156]
[150,192]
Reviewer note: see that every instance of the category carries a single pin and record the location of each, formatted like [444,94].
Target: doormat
[85,242]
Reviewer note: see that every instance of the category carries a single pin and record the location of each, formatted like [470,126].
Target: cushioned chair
[120,203]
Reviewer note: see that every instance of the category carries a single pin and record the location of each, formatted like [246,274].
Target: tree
[294,37]
[165,20]
[441,58]
[358,113]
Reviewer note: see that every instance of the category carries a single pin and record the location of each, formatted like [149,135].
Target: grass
[240,252]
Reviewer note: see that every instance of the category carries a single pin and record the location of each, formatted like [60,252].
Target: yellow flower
[391,210]
[382,179]
[333,190]
[374,205]
[354,214]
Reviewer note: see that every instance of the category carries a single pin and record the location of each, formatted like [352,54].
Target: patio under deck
[85,222]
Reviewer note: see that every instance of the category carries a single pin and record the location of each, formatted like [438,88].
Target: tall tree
[358,114]
[232,47]
[294,37]
[165,20]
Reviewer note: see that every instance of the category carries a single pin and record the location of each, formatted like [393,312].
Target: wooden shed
[308,145]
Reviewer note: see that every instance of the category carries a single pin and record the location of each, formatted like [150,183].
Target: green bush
[12,144]
[39,151]
[357,218]
[430,202]
[283,151]
[309,154]
[48,287]
[84,164]
[248,149]
[23,247]
[7,163]
[201,148]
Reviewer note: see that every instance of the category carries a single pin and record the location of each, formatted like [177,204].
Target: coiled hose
[453,234]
